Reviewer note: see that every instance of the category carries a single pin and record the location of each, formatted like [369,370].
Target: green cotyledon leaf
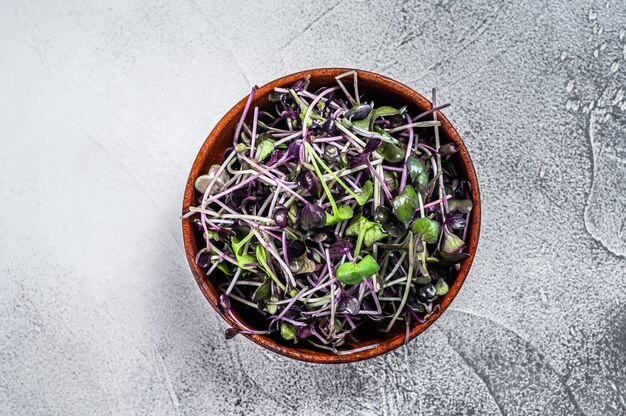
[404,205]
[351,274]
[427,228]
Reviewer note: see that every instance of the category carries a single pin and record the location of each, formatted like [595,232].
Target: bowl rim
[387,345]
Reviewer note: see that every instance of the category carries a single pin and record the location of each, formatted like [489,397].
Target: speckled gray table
[103,107]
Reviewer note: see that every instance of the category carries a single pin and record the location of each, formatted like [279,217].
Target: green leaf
[272,308]
[354,228]
[404,204]
[237,249]
[384,111]
[309,121]
[451,242]
[427,228]
[391,180]
[421,183]
[330,219]
[386,137]
[450,259]
[288,332]
[373,234]
[352,274]
[366,193]
[223,266]
[391,153]
[462,205]
[345,212]
[244,259]
[441,287]
[262,291]
[345,122]
[261,254]
[347,273]
[261,257]
[465,205]
[363,124]
[415,167]
[301,265]
[274,96]
[368,266]
[238,245]
[264,149]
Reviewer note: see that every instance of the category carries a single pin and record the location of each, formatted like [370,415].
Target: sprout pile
[331,216]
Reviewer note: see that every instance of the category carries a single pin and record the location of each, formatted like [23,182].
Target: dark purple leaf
[197,224]
[358,112]
[309,181]
[298,85]
[296,248]
[227,152]
[304,332]
[449,259]
[293,150]
[372,145]
[224,303]
[203,258]
[349,304]
[326,236]
[448,149]
[329,127]
[462,190]
[238,195]
[312,216]
[339,249]
[231,333]
[456,220]
[281,216]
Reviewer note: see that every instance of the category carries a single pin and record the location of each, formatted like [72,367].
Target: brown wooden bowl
[384,91]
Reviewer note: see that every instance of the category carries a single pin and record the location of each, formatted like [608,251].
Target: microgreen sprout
[331,214]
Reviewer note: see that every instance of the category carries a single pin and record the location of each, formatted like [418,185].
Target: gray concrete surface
[103,107]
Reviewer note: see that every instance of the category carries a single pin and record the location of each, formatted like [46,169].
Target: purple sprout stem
[380,180]
[327,139]
[424,146]
[409,147]
[333,306]
[284,243]
[217,251]
[229,190]
[254,124]
[444,203]
[434,203]
[346,315]
[243,115]
[416,316]
[374,295]
[292,302]
[245,329]
[293,322]
[307,115]
[310,95]
[234,281]
[432,110]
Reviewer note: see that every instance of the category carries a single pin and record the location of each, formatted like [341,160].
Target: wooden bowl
[384,91]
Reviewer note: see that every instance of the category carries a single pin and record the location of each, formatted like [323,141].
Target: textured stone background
[104,106]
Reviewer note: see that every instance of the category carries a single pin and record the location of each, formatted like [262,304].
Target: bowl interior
[382,91]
